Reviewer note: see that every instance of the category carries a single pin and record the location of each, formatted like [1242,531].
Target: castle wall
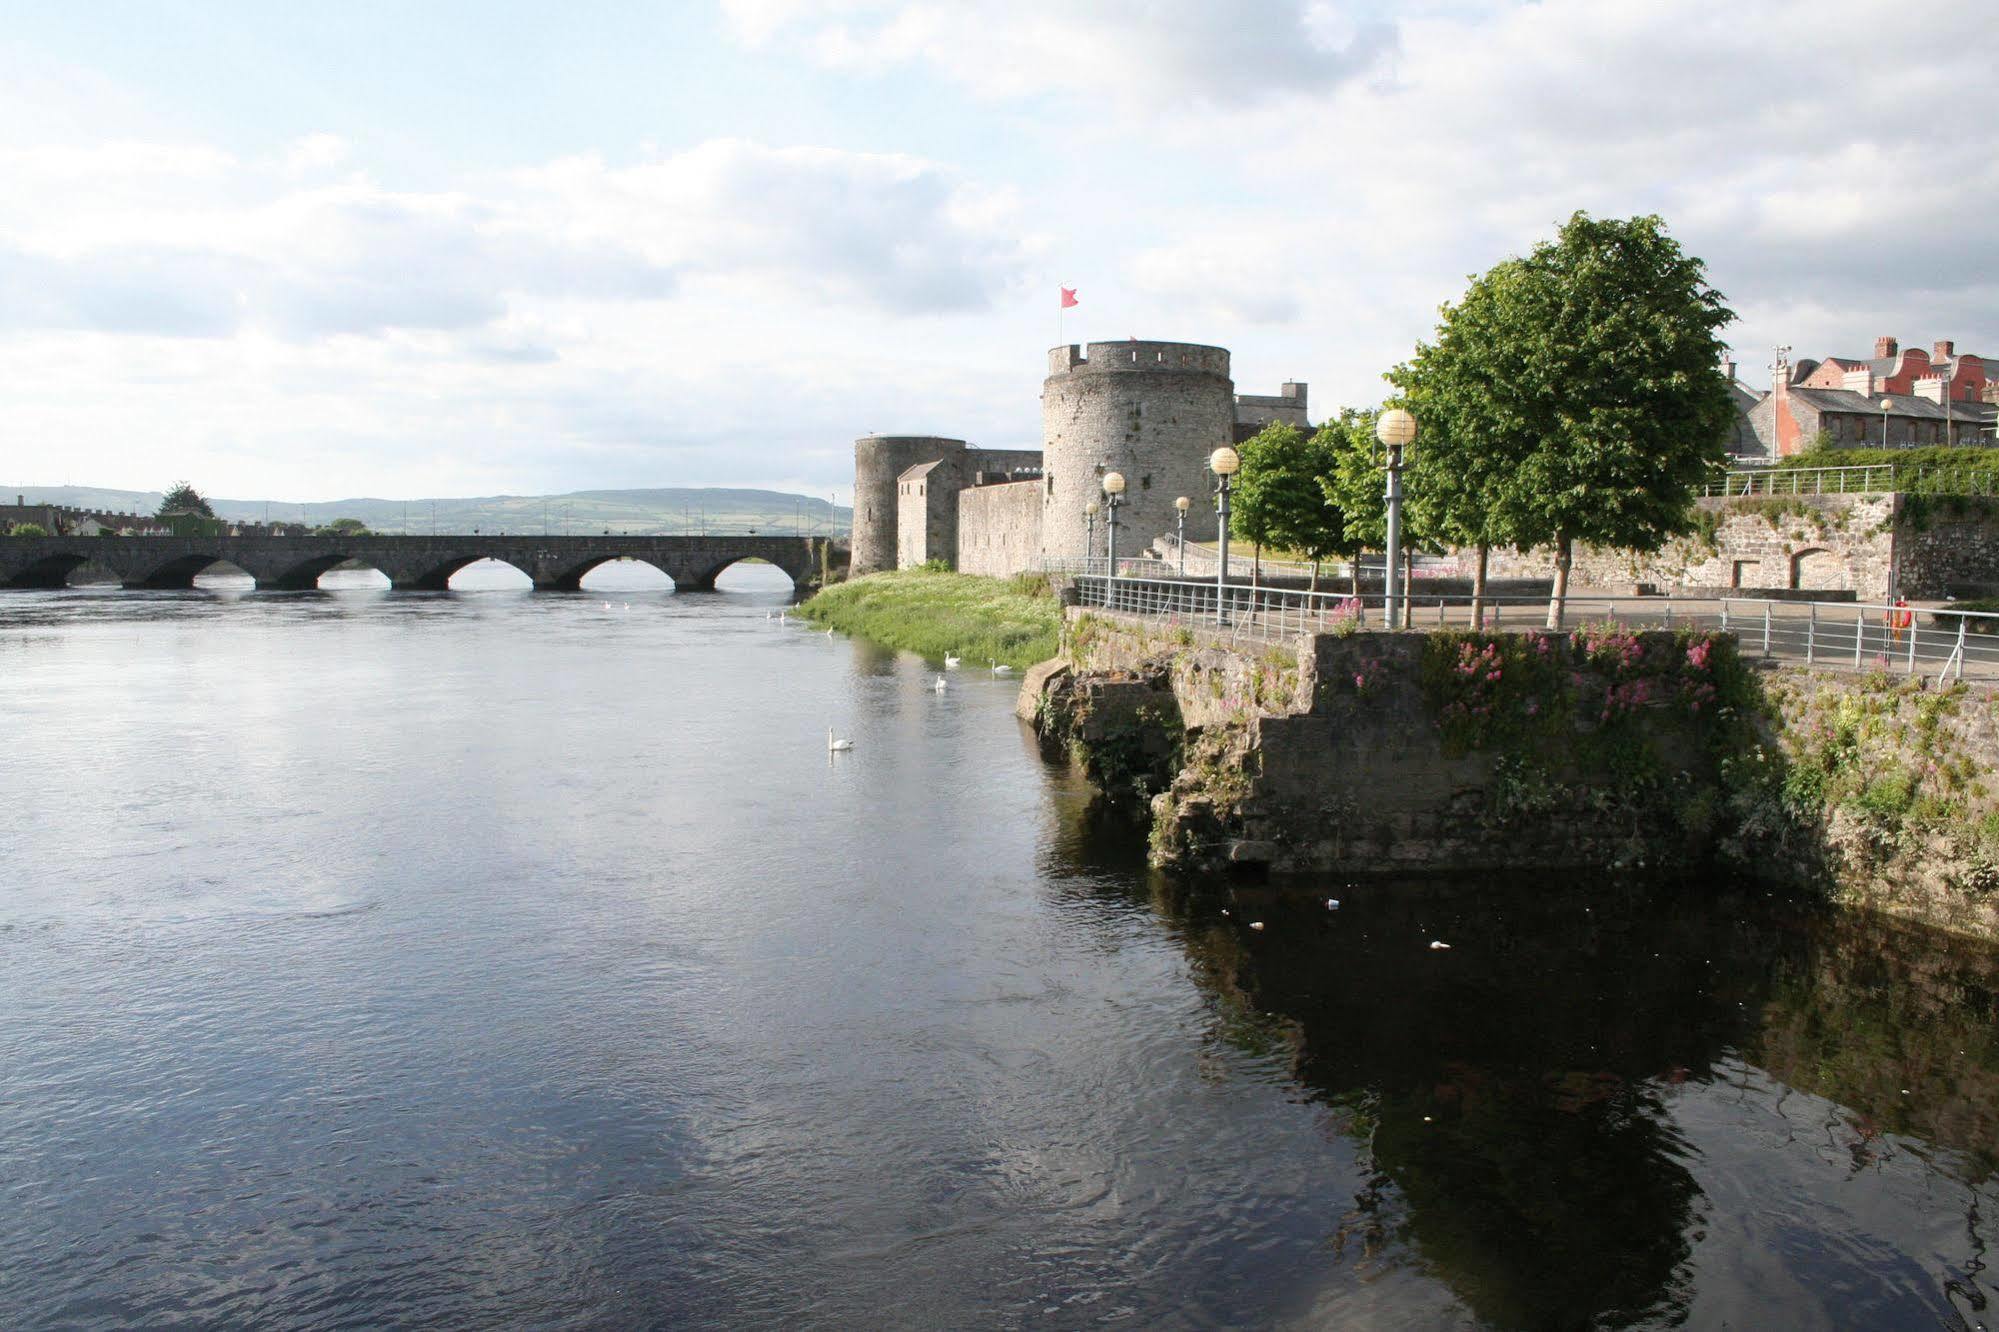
[878,461]
[927,513]
[999,528]
[1151,410]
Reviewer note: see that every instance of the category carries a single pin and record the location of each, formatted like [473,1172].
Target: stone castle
[1153,411]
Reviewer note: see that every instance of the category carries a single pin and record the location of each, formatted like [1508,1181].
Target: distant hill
[672,509]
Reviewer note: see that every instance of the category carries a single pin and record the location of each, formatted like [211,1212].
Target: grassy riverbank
[1016,621]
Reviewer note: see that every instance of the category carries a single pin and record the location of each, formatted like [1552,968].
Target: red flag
[1069,298]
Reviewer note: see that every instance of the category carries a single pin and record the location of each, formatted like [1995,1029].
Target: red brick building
[1894,399]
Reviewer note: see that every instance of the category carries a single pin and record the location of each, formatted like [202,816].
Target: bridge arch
[302,575]
[177,572]
[569,577]
[629,564]
[51,570]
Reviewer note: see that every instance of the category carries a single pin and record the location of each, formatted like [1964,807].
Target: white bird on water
[951,662]
[834,746]
[1001,668]
[939,686]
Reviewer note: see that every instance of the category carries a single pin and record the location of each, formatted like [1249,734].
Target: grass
[1017,621]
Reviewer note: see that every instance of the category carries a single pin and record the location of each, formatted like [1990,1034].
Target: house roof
[921,470]
[1905,405]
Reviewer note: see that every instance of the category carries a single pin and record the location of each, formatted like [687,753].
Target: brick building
[1898,399]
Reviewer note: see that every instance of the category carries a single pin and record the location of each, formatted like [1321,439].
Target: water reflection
[1560,1110]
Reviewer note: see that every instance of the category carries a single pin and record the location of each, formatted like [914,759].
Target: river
[502,959]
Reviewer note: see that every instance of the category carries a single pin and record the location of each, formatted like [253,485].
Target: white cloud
[193,243]
[1138,53]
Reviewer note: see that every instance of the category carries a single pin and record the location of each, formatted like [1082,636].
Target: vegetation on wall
[1927,471]
[1014,621]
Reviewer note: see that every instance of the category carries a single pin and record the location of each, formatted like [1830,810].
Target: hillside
[671,509]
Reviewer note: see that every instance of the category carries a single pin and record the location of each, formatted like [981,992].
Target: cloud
[199,245]
[1141,54]
[878,229]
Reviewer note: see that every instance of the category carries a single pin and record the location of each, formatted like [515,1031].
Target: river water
[496,959]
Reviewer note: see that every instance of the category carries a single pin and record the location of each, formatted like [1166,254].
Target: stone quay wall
[1408,754]
[1948,546]
[999,528]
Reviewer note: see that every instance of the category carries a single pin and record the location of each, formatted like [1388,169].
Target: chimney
[1728,367]
[1943,351]
[1885,348]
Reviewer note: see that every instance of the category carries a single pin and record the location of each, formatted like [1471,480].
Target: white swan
[836,746]
[1001,668]
[939,686]
[951,662]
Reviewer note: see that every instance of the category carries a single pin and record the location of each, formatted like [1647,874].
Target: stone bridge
[555,563]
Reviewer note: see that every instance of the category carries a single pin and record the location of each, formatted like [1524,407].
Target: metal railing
[1845,635]
[1864,479]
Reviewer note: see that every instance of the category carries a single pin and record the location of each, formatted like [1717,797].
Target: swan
[1001,668]
[939,686]
[829,633]
[951,662]
[836,746]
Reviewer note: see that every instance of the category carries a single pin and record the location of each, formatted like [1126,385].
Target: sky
[375,248]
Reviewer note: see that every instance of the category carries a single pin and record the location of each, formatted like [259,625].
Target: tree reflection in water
[1514,1093]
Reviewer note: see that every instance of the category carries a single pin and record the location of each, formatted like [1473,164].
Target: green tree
[1578,394]
[1278,497]
[182,498]
[346,527]
[27,530]
[1352,484]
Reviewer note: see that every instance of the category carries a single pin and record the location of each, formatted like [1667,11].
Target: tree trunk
[1557,603]
[1353,574]
[1478,586]
[1255,566]
[1315,575]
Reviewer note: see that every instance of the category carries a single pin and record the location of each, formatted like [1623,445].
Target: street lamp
[1395,429]
[1113,496]
[1223,463]
[1886,403]
[1180,507]
[1090,512]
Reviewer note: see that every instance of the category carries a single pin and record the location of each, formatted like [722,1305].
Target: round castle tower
[878,461]
[1151,410]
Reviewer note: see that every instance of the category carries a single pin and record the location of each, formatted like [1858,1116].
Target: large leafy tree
[183,498]
[1352,484]
[1575,394]
[1278,497]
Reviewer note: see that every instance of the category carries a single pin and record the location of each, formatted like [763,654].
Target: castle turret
[878,461]
[1151,410]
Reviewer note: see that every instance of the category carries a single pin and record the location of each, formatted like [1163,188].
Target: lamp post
[1223,463]
[1113,496]
[1090,512]
[1886,403]
[1395,429]
[1180,507]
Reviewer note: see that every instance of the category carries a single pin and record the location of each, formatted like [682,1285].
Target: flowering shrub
[1486,689]
[1345,618]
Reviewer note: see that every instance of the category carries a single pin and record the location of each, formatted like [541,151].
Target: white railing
[1835,634]
[1864,479]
